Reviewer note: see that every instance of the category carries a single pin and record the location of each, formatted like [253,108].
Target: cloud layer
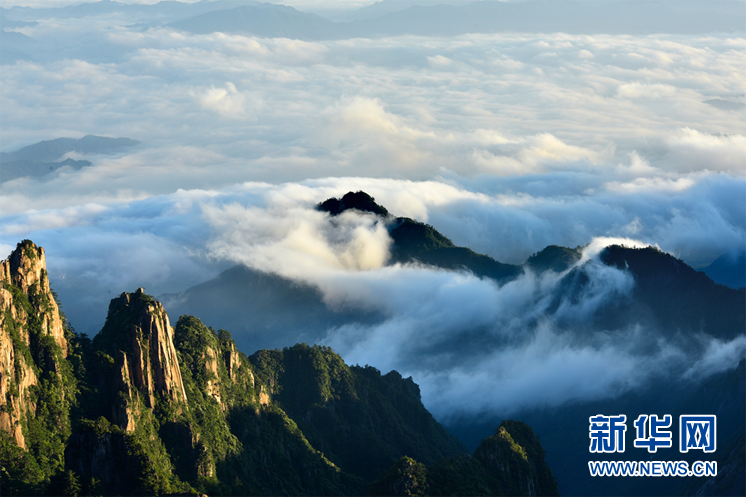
[504,143]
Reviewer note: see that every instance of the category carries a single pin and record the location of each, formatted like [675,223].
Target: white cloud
[506,143]
[228,102]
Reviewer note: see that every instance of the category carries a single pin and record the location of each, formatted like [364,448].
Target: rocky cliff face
[139,337]
[26,268]
[32,335]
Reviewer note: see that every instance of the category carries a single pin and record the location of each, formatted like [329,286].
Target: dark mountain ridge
[662,280]
[250,302]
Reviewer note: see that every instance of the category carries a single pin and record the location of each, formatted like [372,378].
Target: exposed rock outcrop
[26,268]
[212,386]
[28,312]
[233,363]
[138,333]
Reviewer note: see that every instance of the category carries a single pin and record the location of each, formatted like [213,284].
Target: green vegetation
[406,477]
[554,258]
[108,417]
[254,448]
[511,462]
[28,248]
[341,408]
[19,469]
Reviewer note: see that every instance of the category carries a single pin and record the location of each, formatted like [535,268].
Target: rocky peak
[26,269]
[516,456]
[360,201]
[27,309]
[233,363]
[26,266]
[139,334]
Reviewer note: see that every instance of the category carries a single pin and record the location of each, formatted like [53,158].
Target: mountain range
[184,410]
[147,408]
[42,158]
[417,18]
[676,303]
[636,18]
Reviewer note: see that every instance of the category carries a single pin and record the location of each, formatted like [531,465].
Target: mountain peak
[515,453]
[555,258]
[359,200]
[138,334]
[29,317]
[26,269]
[25,266]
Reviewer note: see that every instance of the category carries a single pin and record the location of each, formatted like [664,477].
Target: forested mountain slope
[147,408]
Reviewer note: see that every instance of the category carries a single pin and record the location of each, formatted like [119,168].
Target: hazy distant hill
[384,7]
[22,168]
[41,158]
[430,18]
[542,16]
[254,304]
[269,20]
[728,270]
[165,9]
[14,38]
[50,150]
[8,23]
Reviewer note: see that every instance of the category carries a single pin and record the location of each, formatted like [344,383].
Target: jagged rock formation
[32,337]
[139,336]
[26,268]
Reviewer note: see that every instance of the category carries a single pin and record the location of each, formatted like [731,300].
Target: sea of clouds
[506,143]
